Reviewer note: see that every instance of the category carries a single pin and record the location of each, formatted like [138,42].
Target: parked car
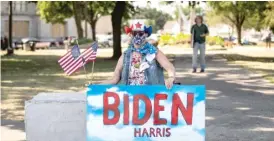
[54,41]
[29,39]
[105,41]
[18,44]
[29,43]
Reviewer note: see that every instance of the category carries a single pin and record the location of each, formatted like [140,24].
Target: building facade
[25,19]
[27,23]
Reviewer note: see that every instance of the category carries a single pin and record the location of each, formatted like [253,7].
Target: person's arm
[117,72]
[206,32]
[192,33]
[164,62]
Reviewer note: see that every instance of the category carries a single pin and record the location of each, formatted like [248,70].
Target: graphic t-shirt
[136,77]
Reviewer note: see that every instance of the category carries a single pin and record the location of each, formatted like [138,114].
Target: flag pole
[83,62]
[92,71]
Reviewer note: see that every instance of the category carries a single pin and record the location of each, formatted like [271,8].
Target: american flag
[90,53]
[73,60]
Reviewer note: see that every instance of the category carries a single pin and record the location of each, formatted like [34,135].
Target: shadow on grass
[24,76]
[237,57]
[239,104]
[268,72]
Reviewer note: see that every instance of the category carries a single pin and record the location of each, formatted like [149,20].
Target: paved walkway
[12,130]
[240,104]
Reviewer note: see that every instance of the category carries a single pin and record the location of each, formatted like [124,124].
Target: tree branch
[231,19]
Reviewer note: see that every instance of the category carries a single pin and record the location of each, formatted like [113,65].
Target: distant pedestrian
[6,42]
[268,39]
[66,43]
[2,43]
[199,31]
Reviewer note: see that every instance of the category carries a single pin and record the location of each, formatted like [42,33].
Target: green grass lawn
[28,73]
[24,76]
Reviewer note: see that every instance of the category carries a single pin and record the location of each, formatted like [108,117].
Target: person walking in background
[199,31]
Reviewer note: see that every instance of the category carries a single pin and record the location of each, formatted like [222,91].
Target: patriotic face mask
[139,38]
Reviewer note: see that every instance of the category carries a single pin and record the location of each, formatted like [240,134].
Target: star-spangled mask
[139,39]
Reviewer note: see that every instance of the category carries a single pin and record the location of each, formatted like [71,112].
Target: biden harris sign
[145,113]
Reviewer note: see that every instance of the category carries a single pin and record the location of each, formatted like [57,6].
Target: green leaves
[54,11]
[158,17]
[269,15]
[246,14]
[252,14]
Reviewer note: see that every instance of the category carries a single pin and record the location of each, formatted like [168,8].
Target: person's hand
[203,35]
[169,83]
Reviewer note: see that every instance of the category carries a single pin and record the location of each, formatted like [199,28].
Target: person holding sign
[199,31]
[142,63]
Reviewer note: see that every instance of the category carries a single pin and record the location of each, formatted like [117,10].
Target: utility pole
[10,47]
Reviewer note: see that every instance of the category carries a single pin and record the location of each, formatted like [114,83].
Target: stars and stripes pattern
[73,60]
[90,53]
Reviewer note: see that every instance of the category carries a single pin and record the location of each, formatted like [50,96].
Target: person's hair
[199,17]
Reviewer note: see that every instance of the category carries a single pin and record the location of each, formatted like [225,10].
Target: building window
[20,6]
[6,6]
[13,5]
[24,5]
[17,6]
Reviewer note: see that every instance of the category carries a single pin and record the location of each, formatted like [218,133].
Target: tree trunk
[76,12]
[10,47]
[180,16]
[116,18]
[192,13]
[86,29]
[239,33]
[93,30]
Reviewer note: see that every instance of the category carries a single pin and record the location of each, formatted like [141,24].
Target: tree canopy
[240,12]
[269,15]
[186,11]
[155,18]
[54,11]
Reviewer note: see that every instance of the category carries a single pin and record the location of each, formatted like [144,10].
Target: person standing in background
[199,31]
[2,43]
[268,39]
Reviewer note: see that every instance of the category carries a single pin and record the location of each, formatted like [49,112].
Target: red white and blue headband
[138,27]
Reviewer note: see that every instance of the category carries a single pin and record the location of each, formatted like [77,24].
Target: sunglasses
[140,33]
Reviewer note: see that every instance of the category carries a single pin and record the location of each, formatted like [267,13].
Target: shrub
[175,39]
[167,39]
[83,41]
[214,40]
[164,39]
[182,38]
